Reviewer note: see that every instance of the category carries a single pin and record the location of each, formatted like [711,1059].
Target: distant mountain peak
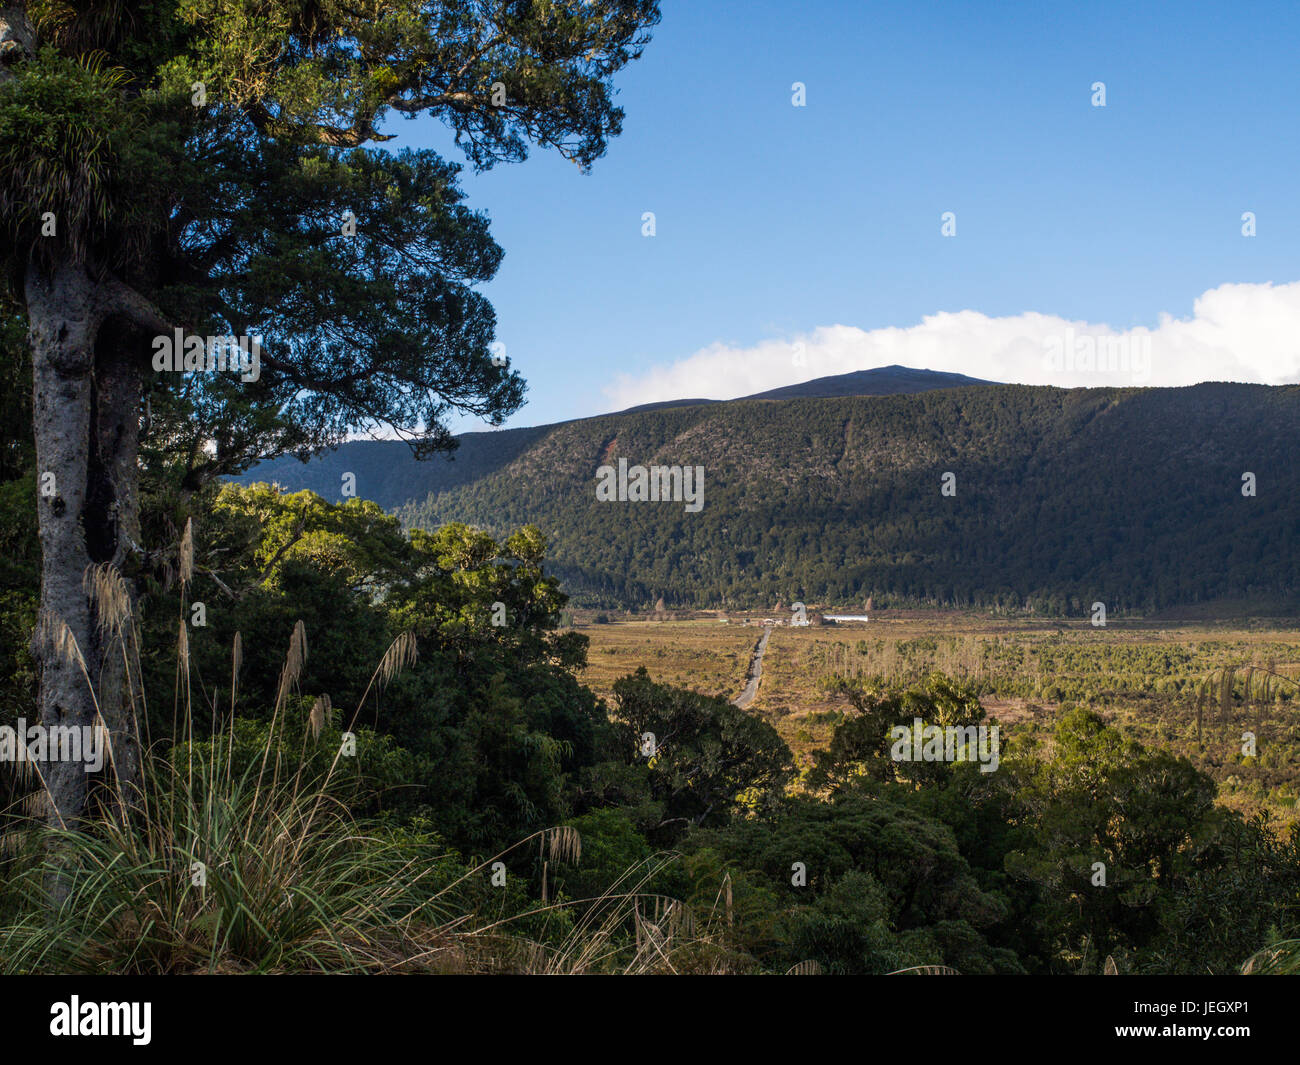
[891,380]
[881,381]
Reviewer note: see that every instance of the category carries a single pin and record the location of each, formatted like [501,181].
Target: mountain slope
[387,474]
[1064,497]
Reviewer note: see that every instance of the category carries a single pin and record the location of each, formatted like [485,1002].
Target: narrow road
[755,672]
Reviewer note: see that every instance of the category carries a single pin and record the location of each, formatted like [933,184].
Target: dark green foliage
[862,745]
[1127,846]
[19,547]
[491,715]
[887,887]
[709,758]
[614,855]
[225,207]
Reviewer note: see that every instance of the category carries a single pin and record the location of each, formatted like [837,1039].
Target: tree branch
[297,535]
[119,298]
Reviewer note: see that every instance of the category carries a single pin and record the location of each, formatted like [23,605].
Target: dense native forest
[1061,498]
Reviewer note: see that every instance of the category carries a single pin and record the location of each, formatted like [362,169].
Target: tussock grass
[227,860]
[210,868]
[1280,959]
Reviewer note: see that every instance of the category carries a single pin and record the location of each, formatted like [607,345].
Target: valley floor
[1146,677]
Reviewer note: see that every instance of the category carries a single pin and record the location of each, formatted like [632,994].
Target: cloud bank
[1237,332]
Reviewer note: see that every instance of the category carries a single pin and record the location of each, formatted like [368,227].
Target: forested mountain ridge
[1063,497]
[390,476]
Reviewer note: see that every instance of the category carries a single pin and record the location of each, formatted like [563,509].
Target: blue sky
[776,224]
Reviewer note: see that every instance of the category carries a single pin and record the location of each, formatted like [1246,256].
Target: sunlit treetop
[220,159]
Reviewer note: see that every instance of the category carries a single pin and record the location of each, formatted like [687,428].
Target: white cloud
[1237,332]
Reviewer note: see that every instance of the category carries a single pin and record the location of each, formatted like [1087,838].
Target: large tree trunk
[86,416]
[17,41]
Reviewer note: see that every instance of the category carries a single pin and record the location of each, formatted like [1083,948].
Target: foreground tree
[202,165]
[707,758]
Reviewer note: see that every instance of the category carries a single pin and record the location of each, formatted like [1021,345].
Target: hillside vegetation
[1063,498]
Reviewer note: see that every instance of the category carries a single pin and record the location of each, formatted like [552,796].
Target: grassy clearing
[705,656]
